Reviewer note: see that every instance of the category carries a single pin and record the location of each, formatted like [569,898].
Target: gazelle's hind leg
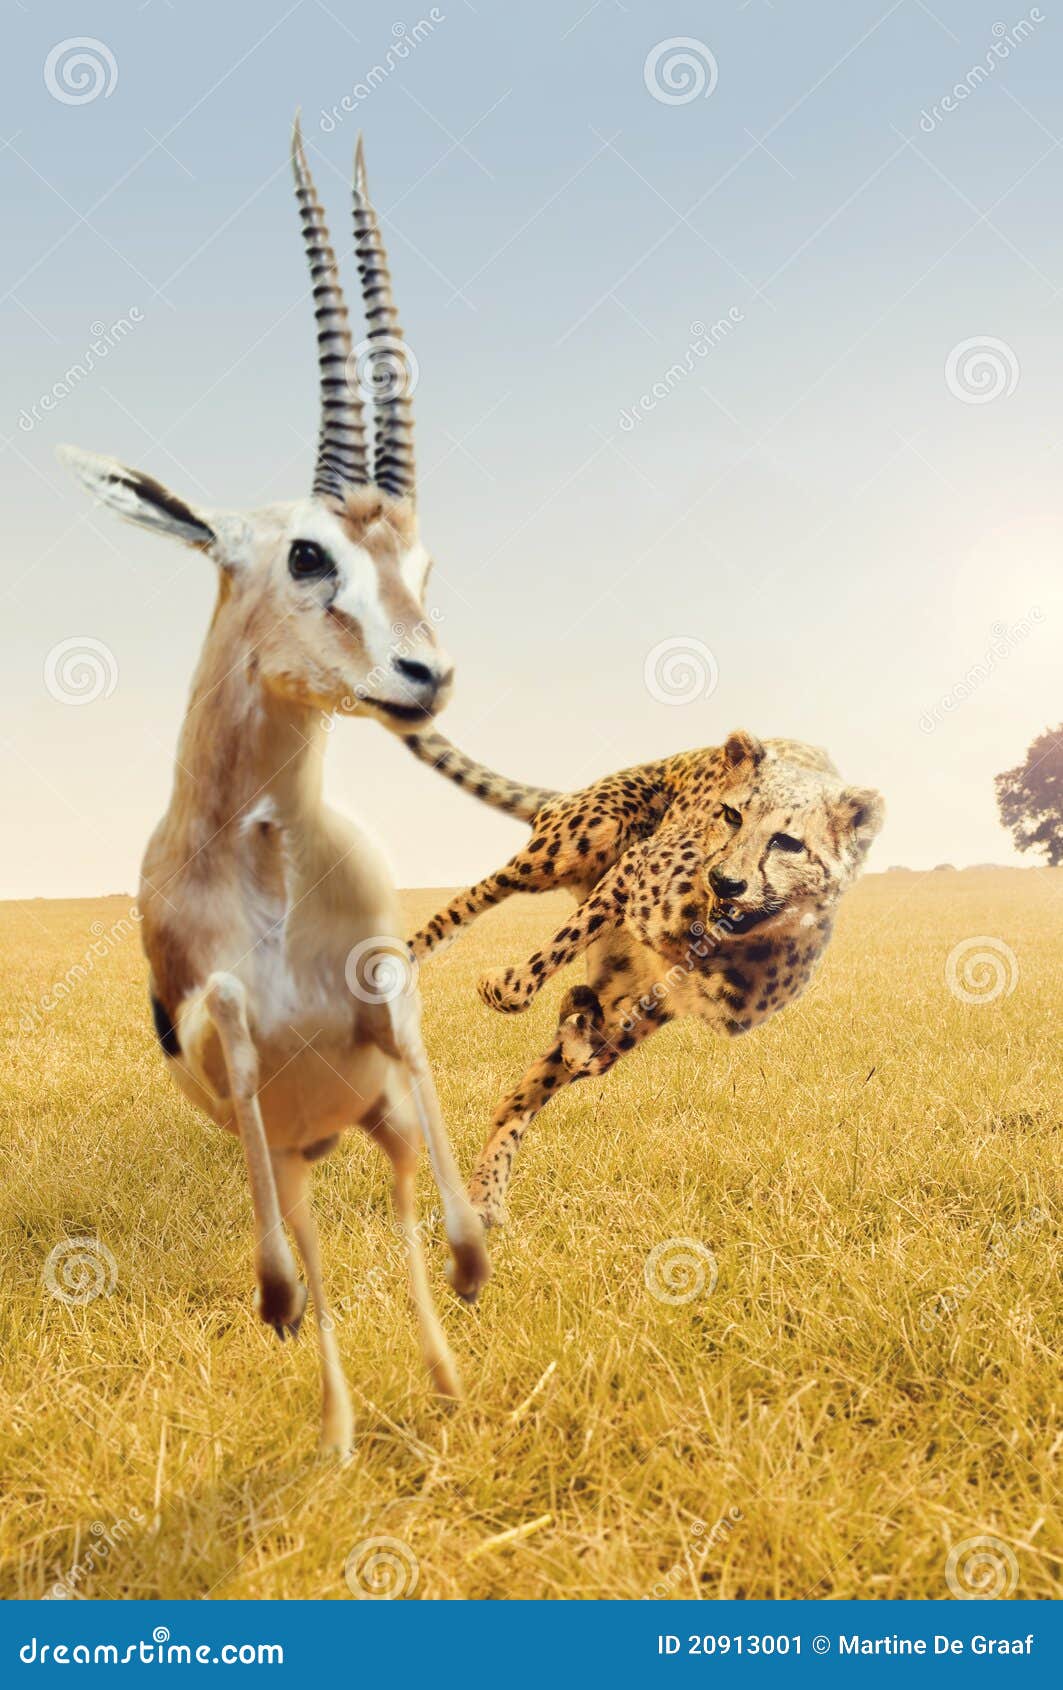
[394,1126]
[281,1296]
[469,1266]
[293,1177]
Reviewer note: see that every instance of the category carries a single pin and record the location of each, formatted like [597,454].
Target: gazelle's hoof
[468,1269]
[281,1303]
[336,1444]
[446,1378]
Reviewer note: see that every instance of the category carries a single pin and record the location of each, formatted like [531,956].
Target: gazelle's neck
[241,745]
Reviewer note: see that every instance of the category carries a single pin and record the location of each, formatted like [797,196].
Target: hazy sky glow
[753,359]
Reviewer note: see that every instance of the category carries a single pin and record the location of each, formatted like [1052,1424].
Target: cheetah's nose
[723,886]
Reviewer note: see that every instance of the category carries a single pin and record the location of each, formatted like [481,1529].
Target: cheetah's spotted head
[785,837]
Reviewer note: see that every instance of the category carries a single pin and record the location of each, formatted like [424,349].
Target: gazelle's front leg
[281,1296]
[392,1123]
[512,989]
[293,1177]
[469,1264]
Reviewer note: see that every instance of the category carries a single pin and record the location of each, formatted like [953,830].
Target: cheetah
[707,885]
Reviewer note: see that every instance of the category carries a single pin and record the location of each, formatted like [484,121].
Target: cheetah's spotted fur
[707,883]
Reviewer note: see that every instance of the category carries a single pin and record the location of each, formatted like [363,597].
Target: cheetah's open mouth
[737,921]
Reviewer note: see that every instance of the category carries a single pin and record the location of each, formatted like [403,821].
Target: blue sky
[851,499]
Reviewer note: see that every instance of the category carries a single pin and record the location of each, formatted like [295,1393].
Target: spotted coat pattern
[707,886]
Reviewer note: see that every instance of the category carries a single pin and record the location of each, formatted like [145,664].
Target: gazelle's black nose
[419,674]
[723,887]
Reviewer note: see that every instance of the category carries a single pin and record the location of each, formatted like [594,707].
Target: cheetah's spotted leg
[569,847]
[531,870]
[512,989]
[586,1046]
[459,912]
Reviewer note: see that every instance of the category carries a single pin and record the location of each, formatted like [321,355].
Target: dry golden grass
[859,1157]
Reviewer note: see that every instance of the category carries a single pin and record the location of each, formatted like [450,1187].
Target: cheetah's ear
[860,811]
[741,747]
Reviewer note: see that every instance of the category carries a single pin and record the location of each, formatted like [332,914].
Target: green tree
[1030,797]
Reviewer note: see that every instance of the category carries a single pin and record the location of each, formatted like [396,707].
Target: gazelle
[269,922]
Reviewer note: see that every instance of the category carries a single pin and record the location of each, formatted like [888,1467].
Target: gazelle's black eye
[731,817]
[309,562]
[785,842]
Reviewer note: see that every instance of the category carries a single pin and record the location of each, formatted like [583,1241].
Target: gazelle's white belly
[322,1047]
[307,1090]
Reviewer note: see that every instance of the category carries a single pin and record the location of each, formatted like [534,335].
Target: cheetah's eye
[785,842]
[733,818]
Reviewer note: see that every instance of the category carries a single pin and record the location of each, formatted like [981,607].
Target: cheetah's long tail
[512,796]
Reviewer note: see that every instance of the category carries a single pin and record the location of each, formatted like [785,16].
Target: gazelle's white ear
[137,497]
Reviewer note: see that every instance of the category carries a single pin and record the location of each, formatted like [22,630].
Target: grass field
[873,1381]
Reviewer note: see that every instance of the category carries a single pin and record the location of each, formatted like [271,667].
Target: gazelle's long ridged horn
[389,372]
[342,459]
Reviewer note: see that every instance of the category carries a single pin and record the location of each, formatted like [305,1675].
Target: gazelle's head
[324,598]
